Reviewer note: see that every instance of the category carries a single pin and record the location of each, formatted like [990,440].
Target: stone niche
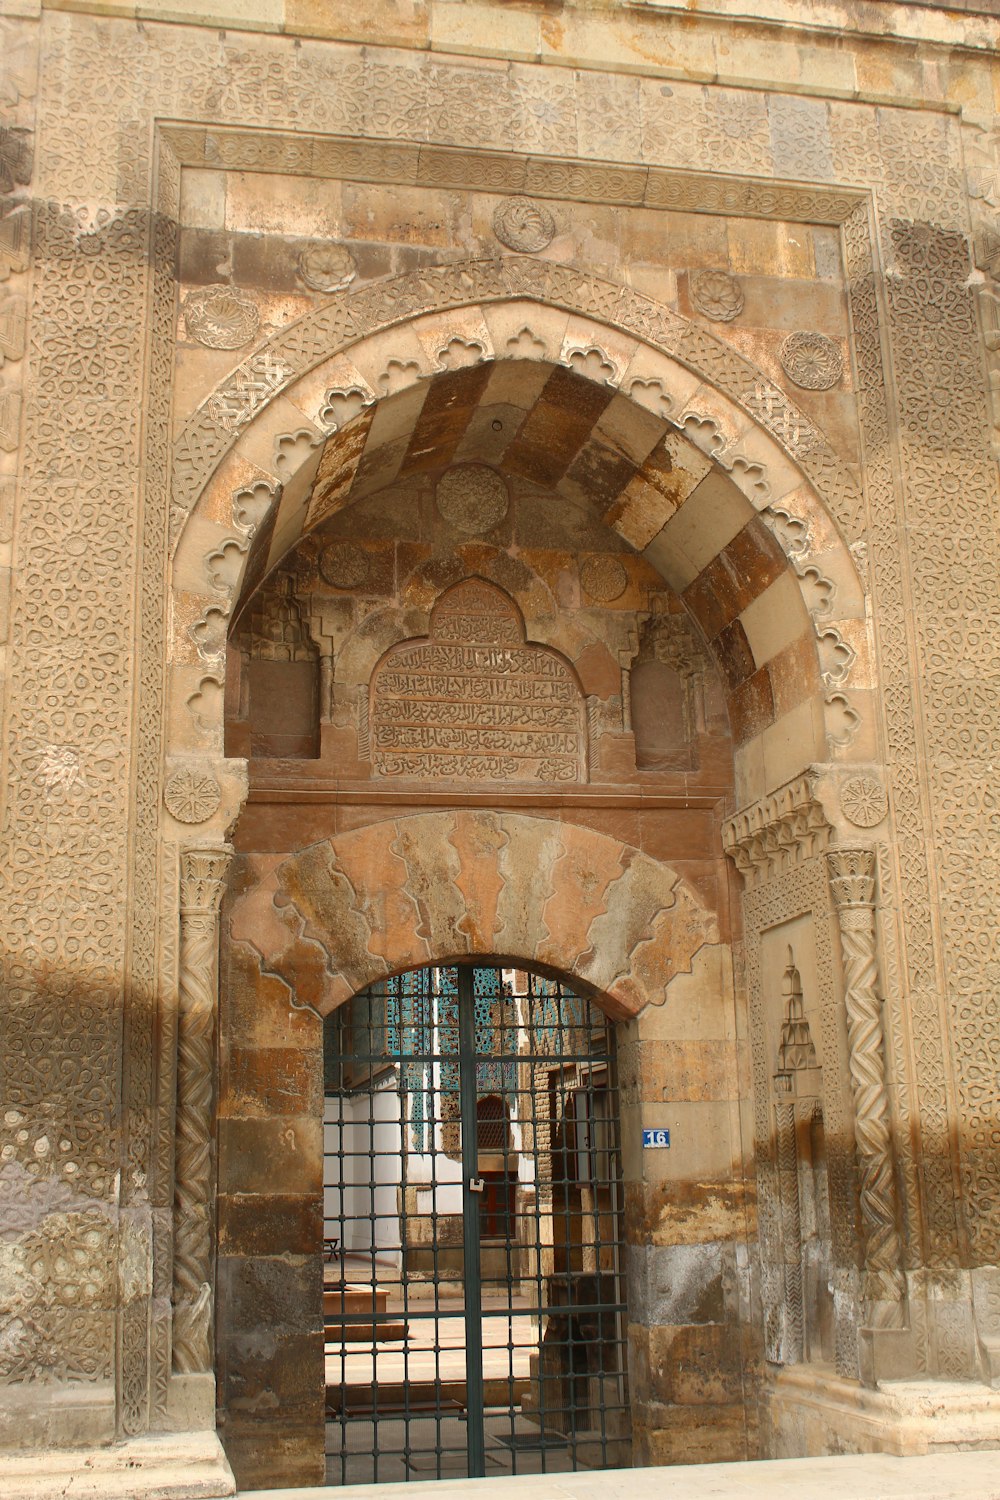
[667,687]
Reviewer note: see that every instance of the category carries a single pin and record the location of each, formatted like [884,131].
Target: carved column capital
[852,877]
[203,878]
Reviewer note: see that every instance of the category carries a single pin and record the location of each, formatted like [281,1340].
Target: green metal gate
[472,1282]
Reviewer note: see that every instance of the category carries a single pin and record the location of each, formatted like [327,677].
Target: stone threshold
[868,1476]
[170,1466]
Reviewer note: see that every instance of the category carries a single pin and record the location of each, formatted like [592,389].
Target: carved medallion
[191,796]
[812,360]
[344,565]
[473,498]
[475,701]
[604,578]
[326,268]
[864,801]
[221,317]
[522,225]
[717,295]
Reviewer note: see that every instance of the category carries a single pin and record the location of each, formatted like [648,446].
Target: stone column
[852,882]
[203,875]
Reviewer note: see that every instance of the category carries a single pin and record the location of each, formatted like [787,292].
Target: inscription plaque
[475,701]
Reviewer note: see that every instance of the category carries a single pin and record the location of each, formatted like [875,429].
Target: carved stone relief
[863,801]
[717,294]
[772,835]
[326,268]
[666,692]
[252,503]
[339,406]
[604,579]
[812,361]
[344,565]
[472,498]
[775,903]
[475,701]
[523,225]
[221,317]
[191,796]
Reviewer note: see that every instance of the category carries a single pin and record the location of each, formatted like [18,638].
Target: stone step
[354,1301]
[364,1331]
[418,1395]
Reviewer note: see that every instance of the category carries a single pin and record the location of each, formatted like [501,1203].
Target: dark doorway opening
[473,1291]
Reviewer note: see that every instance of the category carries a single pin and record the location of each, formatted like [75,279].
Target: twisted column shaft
[852,881]
[203,874]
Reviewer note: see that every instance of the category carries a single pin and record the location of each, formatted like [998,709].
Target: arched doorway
[532,643]
[501,891]
[474,1307]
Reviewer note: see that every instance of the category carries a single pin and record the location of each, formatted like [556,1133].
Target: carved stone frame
[937,1024]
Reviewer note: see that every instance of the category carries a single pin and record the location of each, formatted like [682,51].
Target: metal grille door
[472,1291]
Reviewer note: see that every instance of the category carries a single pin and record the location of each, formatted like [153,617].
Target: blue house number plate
[656,1138]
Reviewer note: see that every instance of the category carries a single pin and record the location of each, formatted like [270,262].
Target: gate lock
[476,1185]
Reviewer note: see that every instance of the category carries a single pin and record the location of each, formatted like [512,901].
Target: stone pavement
[870,1476]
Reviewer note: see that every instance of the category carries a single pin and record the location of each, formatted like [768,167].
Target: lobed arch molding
[455,885]
[751,530]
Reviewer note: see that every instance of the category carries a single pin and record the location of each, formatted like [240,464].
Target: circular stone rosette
[472,498]
[326,268]
[522,225]
[812,360]
[221,317]
[863,801]
[343,565]
[717,295]
[191,796]
[603,578]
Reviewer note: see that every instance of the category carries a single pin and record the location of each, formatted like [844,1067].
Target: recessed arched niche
[280,711]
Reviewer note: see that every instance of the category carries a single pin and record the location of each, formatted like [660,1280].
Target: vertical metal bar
[470,1226]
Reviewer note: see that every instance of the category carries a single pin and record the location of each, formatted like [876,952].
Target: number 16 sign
[656,1138]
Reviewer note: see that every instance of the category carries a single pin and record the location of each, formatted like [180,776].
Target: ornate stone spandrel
[852,884]
[202,882]
[475,701]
